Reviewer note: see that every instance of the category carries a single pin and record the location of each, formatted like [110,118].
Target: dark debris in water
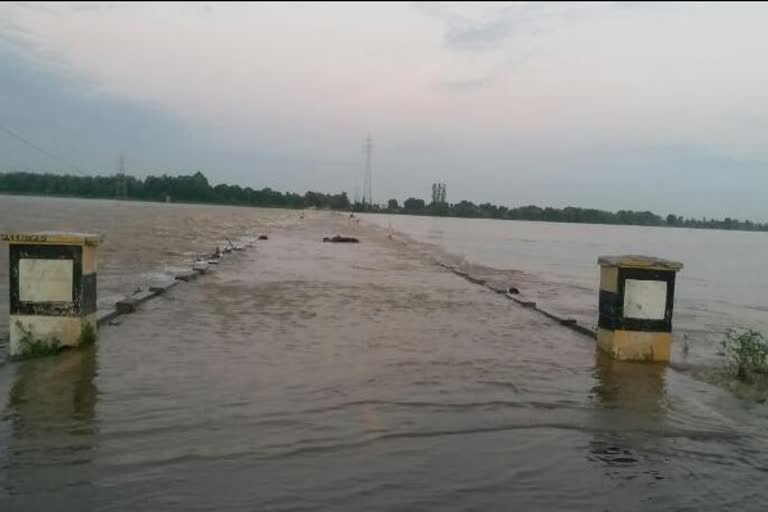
[341,239]
[613,455]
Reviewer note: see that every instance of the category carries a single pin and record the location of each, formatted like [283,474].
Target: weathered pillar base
[39,334]
[635,345]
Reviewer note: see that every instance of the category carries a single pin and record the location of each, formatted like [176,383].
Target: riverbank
[302,375]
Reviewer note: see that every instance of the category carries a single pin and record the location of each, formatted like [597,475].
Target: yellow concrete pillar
[52,291]
[636,300]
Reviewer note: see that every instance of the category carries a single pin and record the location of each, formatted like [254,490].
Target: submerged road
[302,375]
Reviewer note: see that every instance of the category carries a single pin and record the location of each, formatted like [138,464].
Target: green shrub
[747,352]
[87,335]
[33,348]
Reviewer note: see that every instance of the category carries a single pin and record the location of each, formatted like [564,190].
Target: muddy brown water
[145,243]
[308,376]
[723,284]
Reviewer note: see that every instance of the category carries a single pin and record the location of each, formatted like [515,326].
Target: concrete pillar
[636,298]
[52,291]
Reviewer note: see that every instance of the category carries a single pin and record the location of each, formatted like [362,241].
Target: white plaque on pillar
[645,300]
[43,280]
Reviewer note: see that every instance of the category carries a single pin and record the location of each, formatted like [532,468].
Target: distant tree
[339,201]
[196,188]
[438,210]
[413,204]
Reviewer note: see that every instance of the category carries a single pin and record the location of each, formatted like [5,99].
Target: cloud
[497,100]
[489,28]
[13,33]
[497,40]
[71,117]
[33,6]
[85,7]
[461,85]
[479,35]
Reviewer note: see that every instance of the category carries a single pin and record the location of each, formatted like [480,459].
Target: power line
[41,150]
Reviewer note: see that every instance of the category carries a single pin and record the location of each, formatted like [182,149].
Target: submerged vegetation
[33,347]
[87,335]
[196,189]
[747,353]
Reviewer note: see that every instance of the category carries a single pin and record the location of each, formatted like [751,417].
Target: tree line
[468,209]
[195,188]
[186,188]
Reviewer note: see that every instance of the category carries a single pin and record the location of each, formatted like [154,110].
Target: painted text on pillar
[52,291]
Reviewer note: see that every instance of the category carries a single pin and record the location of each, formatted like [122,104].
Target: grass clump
[33,347]
[87,335]
[40,348]
[747,353]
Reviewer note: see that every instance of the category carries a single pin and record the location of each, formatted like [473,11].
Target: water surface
[723,284]
[302,375]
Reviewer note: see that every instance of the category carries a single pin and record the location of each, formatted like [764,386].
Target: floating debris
[341,239]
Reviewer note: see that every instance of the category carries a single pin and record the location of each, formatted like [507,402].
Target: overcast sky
[659,106]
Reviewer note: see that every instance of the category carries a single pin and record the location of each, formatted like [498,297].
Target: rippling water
[145,243]
[310,376]
[723,284]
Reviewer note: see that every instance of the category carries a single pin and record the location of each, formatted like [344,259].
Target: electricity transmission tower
[121,187]
[368,177]
[438,193]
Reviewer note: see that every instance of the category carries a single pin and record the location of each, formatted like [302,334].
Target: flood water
[723,284]
[144,243]
[301,375]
